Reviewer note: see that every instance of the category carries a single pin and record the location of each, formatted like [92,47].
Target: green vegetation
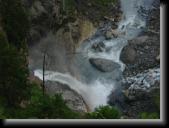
[156,98]
[14,21]
[69,6]
[13,73]
[145,115]
[103,2]
[40,107]
[104,112]
[18,97]
[48,107]
[21,99]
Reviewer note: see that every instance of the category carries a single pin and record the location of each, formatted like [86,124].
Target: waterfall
[94,86]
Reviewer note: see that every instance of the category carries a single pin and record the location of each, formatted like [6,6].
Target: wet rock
[141,54]
[141,93]
[99,47]
[72,98]
[158,58]
[139,40]
[108,35]
[104,65]
[142,101]
[146,46]
[112,34]
[128,55]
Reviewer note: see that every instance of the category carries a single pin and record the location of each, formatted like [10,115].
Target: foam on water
[95,94]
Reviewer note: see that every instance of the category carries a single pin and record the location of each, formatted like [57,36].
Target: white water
[144,80]
[96,92]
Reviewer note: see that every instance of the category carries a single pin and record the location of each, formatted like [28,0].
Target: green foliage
[103,2]
[157,98]
[14,21]
[104,112]
[145,115]
[69,7]
[49,107]
[13,73]
[2,116]
[40,107]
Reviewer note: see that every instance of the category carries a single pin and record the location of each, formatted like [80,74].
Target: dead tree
[44,63]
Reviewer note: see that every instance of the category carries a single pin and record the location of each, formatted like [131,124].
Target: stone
[99,47]
[108,35]
[139,40]
[158,58]
[71,97]
[104,65]
[128,55]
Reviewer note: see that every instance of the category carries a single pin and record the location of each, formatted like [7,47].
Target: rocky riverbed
[140,55]
[57,34]
[141,81]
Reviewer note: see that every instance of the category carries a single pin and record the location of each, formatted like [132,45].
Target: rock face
[140,93]
[140,54]
[141,78]
[97,11]
[81,30]
[72,98]
[104,65]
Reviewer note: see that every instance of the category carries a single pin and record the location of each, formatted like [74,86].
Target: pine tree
[13,73]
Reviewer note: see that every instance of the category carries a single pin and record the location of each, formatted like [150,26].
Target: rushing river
[95,86]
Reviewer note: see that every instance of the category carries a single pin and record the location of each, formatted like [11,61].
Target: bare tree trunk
[43,84]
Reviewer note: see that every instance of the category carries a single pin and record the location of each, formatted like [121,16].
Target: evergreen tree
[15,21]
[13,73]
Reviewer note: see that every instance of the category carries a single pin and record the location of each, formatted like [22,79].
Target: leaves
[104,112]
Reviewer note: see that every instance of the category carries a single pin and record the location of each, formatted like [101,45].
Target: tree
[15,21]
[13,73]
[46,107]
[104,112]
[146,115]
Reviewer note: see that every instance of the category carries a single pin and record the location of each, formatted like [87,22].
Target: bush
[46,107]
[145,115]
[104,112]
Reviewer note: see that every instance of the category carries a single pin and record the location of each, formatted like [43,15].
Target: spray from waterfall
[94,94]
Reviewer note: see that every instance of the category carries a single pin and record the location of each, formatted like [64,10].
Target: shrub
[45,106]
[145,115]
[104,112]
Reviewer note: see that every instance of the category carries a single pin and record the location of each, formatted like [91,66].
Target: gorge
[98,79]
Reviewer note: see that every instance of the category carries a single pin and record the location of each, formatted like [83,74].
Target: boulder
[71,97]
[99,47]
[113,33]
[128,55]
[108,35]
[104,65]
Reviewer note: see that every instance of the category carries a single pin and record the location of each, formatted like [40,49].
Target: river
[95,86]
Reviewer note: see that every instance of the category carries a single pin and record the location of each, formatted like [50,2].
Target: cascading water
[93,85]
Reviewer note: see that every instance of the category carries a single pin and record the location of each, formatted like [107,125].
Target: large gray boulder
[104,65]
[73,100]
